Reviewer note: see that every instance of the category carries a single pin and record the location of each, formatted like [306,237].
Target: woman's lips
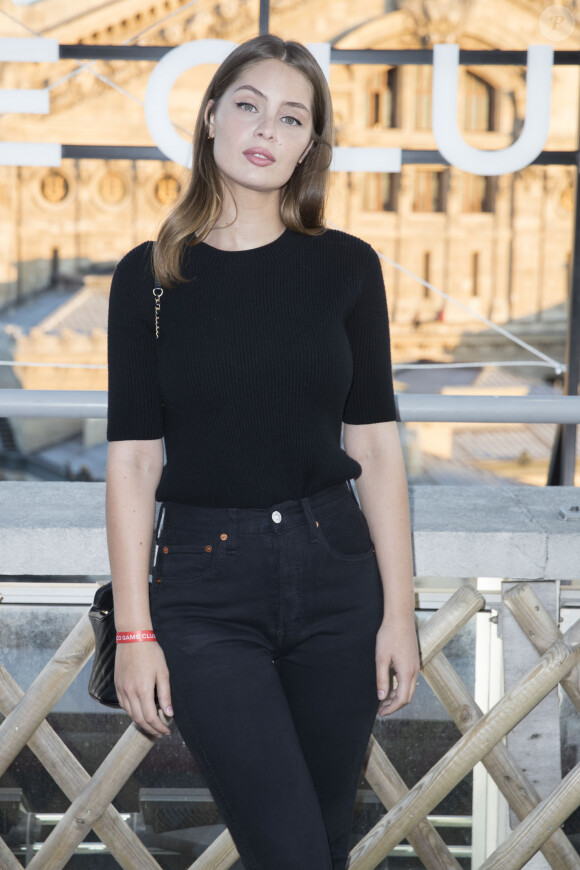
[259,156]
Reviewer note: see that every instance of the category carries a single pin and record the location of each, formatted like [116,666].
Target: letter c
[159,86]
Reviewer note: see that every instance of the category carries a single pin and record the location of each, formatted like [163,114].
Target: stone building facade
[500,245]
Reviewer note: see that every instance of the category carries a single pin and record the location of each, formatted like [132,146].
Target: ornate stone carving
[437,20]
[54,186]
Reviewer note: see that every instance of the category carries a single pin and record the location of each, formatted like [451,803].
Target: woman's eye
[294,122]
[244,105]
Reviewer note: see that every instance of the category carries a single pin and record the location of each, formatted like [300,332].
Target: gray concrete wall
[458,531]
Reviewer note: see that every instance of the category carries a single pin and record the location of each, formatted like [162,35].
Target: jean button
[277,516]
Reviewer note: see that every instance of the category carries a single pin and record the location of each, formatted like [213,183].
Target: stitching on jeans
[346,506]
[346,556]
[300,521]
[193,530]
[213,778]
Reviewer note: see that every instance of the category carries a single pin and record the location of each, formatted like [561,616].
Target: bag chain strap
[157,296]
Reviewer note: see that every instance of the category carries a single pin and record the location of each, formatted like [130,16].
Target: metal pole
[416,407]
[264,16]
[563,465]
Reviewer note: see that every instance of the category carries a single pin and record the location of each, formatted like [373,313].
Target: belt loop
[310,517]
[160,520]
[155,540]
[232,531]
[352,492]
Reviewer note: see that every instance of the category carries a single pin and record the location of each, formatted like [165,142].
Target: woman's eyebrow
[260,94]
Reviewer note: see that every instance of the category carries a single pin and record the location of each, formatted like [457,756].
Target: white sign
[448,138]
[537,121]
[31,102]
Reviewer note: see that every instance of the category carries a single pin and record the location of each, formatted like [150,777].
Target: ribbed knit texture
[261,355]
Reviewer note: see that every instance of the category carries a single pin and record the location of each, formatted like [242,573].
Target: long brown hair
[303,197]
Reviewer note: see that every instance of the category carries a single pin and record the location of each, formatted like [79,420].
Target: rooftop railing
[411,407]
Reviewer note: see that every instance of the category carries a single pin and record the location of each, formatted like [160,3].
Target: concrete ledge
[518,532]
[458,531]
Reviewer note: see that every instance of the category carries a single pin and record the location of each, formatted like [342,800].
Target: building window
[423,97]
[428,190]
[54,186]
[380,191]
[382,99]
[112,188]
[478,192]
[479,105]
[427,273]
[475,274]
[167,189]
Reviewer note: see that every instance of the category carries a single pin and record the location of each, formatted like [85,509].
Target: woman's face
[262,126]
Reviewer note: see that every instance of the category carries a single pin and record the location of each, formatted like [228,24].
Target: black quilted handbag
[102,617]
[102,678]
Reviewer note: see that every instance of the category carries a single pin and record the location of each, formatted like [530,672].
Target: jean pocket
[345,534]
[186,556]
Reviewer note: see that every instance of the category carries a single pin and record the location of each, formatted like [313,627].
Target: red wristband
[135,636]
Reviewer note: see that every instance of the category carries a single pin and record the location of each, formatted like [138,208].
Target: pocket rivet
[223,536]
[208,548]
[159,579]
[316,521]
[166,549]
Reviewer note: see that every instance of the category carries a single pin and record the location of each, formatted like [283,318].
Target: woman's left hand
[397,664]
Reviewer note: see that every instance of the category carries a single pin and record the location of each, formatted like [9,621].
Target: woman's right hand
[139,668]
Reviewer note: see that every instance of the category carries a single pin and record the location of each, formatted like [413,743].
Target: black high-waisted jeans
[268,619]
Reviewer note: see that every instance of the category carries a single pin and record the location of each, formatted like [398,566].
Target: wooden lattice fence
[481,740]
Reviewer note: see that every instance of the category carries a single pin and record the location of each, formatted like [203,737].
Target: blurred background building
[501,245]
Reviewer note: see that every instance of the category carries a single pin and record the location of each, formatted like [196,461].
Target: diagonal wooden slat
[72,778]
[380,772]
[517,849]
[92,802]
[219,855]
[511,781]
[541,630]
[462,757]
[51,683]
[390,788]
[7,859]
[438,630]
[456,698]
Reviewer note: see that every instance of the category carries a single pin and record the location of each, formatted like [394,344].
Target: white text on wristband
[135,636]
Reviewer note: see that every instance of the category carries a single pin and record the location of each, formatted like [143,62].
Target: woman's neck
[253,221]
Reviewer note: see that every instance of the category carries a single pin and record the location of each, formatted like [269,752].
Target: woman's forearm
[133,471]
[384,499]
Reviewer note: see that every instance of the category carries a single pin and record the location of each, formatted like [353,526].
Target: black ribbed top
[260,357]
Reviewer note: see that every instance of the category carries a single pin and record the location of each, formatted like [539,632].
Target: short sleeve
[371,398]
[135,408]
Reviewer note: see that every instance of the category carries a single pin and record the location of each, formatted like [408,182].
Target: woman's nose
[265,129]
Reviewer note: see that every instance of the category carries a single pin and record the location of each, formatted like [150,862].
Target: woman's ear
[208,117]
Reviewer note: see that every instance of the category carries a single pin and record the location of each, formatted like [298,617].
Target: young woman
[279,610]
